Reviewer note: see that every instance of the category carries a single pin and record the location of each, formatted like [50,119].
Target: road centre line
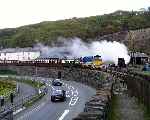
[64,114]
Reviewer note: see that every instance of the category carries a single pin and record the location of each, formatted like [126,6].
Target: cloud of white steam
[75,48]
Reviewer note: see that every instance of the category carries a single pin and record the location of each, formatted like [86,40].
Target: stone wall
[138,85]
[92,78]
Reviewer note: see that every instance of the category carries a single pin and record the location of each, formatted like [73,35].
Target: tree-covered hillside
[89,27]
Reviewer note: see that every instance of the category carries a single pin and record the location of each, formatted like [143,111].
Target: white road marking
[74,97]
[75,93]
[19,110]
[74,102]
[72,92]
[69,87]
[71,101]
[3,75]
[52,87]
[64,114]
[72,87]
[67,94]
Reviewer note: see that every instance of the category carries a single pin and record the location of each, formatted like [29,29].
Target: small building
[139,58]
[21,54]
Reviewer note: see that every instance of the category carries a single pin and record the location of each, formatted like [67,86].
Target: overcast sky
[14,13]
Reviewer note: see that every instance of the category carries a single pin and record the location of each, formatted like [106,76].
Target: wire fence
[7,108]
[6,111]
[19,103]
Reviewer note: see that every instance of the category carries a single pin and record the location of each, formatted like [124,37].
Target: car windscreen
[57,84]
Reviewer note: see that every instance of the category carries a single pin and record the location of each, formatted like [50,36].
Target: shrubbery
[6,87]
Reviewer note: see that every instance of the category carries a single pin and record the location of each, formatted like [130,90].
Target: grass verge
[113,114]
[146,111]
[34,84]
[146,73]
[33,100]
[146,114]
[8,72]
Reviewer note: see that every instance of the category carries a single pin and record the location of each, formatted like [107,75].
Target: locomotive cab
[97,61]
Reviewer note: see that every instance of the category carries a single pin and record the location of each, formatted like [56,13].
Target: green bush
[6,72]
[6,87]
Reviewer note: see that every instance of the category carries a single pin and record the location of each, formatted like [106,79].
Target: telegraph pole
[132,46]
[36,75]
[131,41]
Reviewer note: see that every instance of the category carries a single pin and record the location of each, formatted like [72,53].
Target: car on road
[57,82]
[58,95]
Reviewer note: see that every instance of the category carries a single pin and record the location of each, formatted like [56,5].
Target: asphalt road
[24,91]
[77,95]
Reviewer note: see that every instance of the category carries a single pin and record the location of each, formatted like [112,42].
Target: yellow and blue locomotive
[97,62]
[92,61]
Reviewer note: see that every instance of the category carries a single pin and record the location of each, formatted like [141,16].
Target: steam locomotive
[92,61]
[95,62]
[88,61]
